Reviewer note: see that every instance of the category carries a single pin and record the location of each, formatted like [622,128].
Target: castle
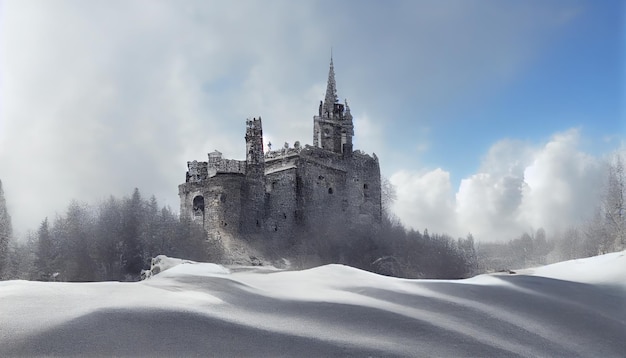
[283,193]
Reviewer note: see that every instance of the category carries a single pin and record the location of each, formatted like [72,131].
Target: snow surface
[574,308]
[609,269]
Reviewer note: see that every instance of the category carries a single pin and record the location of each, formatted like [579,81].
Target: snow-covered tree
[5,231]
[133,218]
[45,254]
[613,205]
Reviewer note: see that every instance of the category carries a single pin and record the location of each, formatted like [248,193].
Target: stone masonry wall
[223,201]
[281,204]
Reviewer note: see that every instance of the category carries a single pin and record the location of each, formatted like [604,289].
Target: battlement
[254,127]
[219,165]
[196,172]
[199,172]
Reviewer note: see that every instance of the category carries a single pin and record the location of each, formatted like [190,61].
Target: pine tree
[133,217]
[5,231]
[108,239]
[46,253]
[78,248]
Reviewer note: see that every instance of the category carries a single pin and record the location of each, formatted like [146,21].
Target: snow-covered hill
[574,308]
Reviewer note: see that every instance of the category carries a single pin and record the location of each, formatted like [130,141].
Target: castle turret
[332,127]
[254,191]
[254,145]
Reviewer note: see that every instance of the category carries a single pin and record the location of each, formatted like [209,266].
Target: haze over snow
[489,117]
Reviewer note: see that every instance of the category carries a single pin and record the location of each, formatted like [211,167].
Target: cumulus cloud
[424,200]
[563,184]
[519,188]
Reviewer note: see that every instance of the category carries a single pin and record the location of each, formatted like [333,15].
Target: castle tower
[254,191]
[332,127]
[254,144]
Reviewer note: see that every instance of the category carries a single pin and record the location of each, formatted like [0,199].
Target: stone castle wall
[298,193]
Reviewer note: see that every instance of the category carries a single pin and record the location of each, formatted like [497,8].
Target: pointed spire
[331,89]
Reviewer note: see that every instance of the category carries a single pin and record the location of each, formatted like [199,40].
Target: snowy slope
[609,269]
[195,309]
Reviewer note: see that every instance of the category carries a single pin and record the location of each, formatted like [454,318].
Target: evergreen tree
[79,244]
[108,239]
[6,231]
[133,215]
[45,254]
[21,258]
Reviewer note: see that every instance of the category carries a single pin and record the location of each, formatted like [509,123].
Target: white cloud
[519,188]
[368,134]
[424,200]
[563,184]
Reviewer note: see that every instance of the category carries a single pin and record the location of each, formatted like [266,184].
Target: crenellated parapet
[217,164]
[196,172]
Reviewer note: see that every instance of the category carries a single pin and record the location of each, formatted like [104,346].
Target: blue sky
[490,117]
[572,80]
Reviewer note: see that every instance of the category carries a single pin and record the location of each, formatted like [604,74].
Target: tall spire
[331,89]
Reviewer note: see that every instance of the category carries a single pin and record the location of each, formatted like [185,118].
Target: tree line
[113,240]
[116,239]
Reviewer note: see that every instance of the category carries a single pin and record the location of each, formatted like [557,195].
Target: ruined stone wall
[226,166]
[187,193]
[301,191]
[196,172]
[323,194]
[364,190]
[223,203]
[335,187]
[281,204]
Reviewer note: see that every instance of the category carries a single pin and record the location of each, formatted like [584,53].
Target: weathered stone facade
[294,190]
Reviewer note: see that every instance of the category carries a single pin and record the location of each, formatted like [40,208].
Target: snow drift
[574,308]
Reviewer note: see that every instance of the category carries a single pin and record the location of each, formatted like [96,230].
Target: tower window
[198,205]
[330,190]
[365,186]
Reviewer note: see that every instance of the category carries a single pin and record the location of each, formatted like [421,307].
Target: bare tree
[388,197]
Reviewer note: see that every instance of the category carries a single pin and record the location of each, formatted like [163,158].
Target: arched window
[198,205]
